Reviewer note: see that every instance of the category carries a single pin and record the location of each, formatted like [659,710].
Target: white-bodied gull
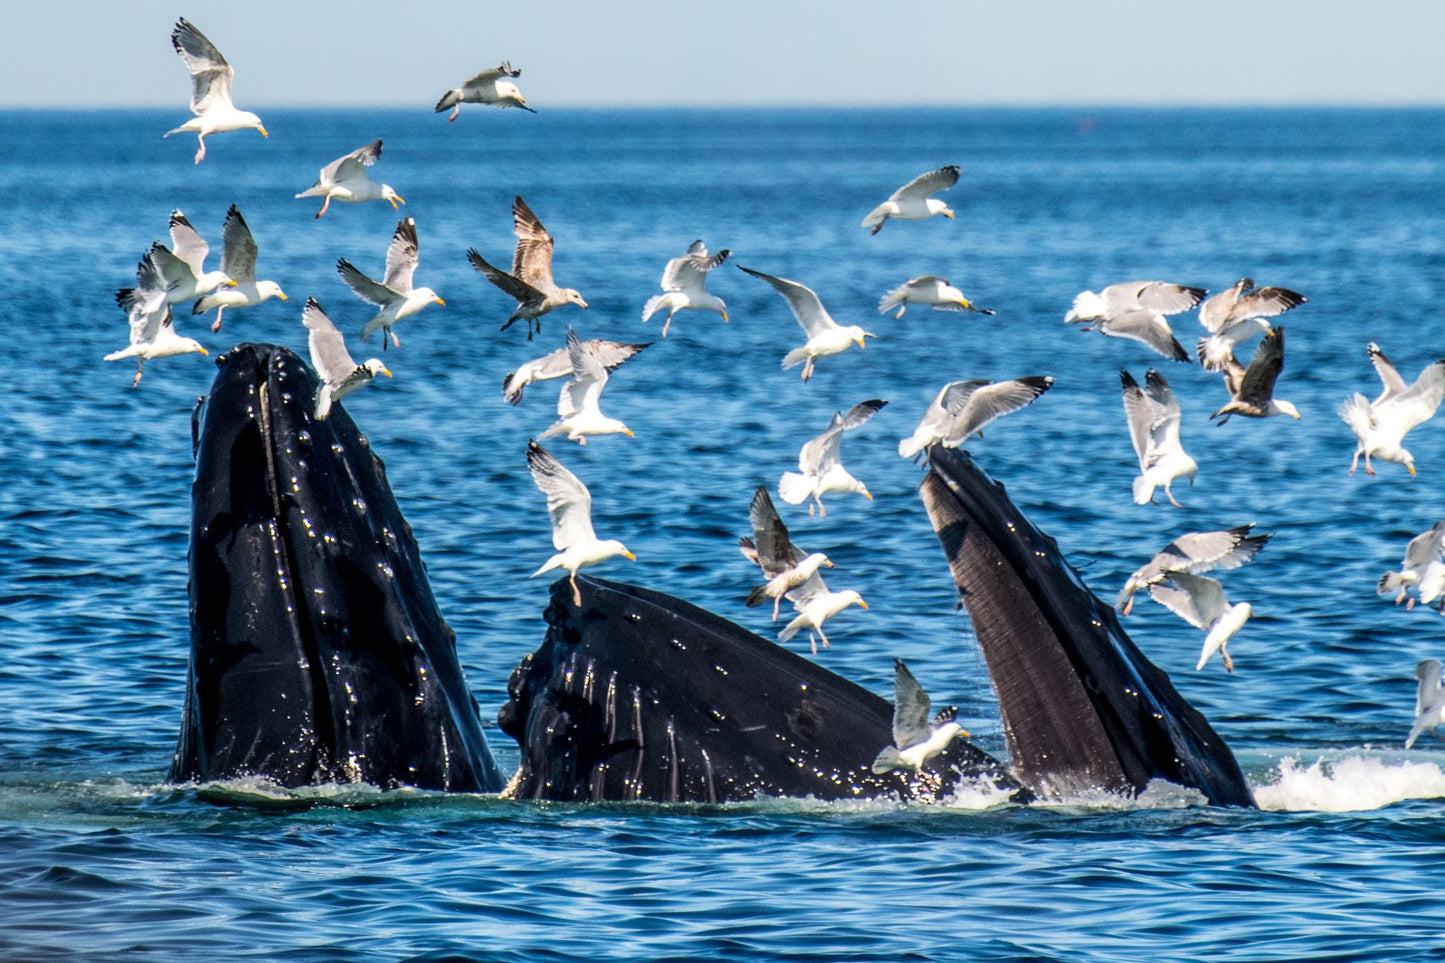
[1136,310]
[913,201]
[820,469]
[1199,600]
[1429,701]
[1380,426]
[1238,314]
[211,80]
[569,504]
[1423,568]
[785,565]
[1153,416]
[1194,553]
[930,290]
[916,737]
[684,285]
[965,408]
[153,335]
[394,296]
[344,179]
[558,364]
[492,87]
[338,373]
[825,336]
[238,262]
[578,411]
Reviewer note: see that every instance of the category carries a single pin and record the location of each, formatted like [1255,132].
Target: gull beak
[205,352]
[263,132]
[282,296]
[440,301]
[828,563]
[965,733]
[628,433]
[386,371]
[859,342]
[230,283]
[948,213]
[394,198]
[630,556]
[1411,469]
[863,603]
[868,495]
[724,317]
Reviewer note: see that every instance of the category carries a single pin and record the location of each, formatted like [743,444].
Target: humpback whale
[638,695]
[318,654]
[1083,709]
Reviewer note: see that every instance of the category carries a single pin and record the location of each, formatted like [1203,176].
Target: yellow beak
[630,555]
[263,132]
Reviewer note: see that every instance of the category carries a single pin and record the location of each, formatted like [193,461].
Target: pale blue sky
[724,52]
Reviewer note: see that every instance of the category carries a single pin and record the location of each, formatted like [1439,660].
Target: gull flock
[1136,310]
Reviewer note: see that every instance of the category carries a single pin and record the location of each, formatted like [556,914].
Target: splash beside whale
[318,654]
[317,651]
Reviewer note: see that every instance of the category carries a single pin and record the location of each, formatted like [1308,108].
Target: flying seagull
[1194,553]
[211,80]
[816,603]
[238,262]
[785,566]
[558,364]
[1237,314]
[965,408]
[684,285]
[339,374]
[825,336]
[1423,567]
[577,403]
[930,290]
[395,296]
[344,179]
[1252,388]
[1136,310]
[1153,416]
[530,282]
[913,201]
[153,335]
[916,738]
[1199,600]
[173,275]
[820,469]
[569,504]
[1429,700]
[1380,426]
[488,87]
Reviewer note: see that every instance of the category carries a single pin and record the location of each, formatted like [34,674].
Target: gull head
[270,289]
[427,295]
[1286,408]
[935,206]
[851,597]
[387,194]
[611,547]
[572,296]
[375,367]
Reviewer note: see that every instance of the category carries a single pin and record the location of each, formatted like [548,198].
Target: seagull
[930,290]
[1199,600]
[577,403]
[1429,700]
[238,262]
[964,408]
[395,296]
[339,374]
[558,364]
[153,335]
[1380,426]
[344,179]
[825,336]
[569,504]
[912,202]
[784,564]
[173,275]
[1422,567]
[1194,553]
[211,80]
[916,739]
[1238,314]
[1136,310]
[684,285]
[816,604]
[1252,388]
[819,468]
[1153,416]
[487,87]
[531,279]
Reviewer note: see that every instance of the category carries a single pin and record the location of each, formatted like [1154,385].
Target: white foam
[1350,783]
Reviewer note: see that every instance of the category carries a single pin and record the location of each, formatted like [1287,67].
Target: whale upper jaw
[318,654]
[1083,709]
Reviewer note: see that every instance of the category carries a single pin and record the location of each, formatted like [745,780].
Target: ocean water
[99,858]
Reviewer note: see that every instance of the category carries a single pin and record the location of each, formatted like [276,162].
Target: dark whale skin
[1083,709]
[318,654]
[636,695]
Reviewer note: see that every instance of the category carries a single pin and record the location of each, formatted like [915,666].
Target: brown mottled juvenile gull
[211,80]
[1252,388]
[530,282]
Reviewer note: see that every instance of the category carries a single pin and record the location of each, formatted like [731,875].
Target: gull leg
[201,153]
[455,110]
[395,341]
[1172,500]
[901,308]
[1228,662]
[216,325]
[1369,469]
[576,592]
[778,601]
[808,370]
[823,637]
[324,205]
[135,383]
[667,324]
[1355,461]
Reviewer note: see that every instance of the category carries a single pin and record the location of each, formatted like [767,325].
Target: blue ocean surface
[101,859]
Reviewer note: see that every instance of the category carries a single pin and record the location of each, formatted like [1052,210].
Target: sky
[96,53]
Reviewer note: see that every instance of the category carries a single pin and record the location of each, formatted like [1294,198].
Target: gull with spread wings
[530,282]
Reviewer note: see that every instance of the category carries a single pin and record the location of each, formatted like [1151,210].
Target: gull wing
[1417,403]
[351,166]
[187,243]
[328,347]
[569,503]
[1167,298]
[1148,326]
[911,706]
[589,377]
[1257,385]
[821,452]
[517,289]
[1198,552]
[689,272]
[210,74]
[1425,548]
[773,552]
[805,305]
[926,184]
[401,257]
[362,286]
[1165,429]
[1139,412]
[1197,599]
[488,78]
[532,260]
[1216,313]
[171,270]
[613,353]
[1429,694]
[993,400]
[1265,303]
[1389,377]
[238,248]
[859,414]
